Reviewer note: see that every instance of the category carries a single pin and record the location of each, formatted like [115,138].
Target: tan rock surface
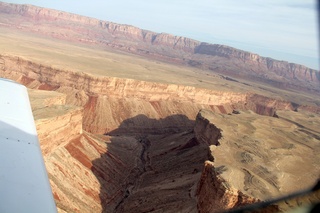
[266,157]
[166,172]
[215,194]
[108,101]
[41,99]
[56,122]
[154,157]
[215,57]
[90,173]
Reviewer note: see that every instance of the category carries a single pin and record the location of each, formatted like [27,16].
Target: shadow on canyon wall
[123,163]
[143,125]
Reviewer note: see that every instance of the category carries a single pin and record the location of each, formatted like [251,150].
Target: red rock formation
[206,132]
[284,69]
[122,174]
[57,125]
[214,194]
[108,101]
[219,58]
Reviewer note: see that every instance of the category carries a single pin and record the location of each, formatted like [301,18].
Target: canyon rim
[135,121]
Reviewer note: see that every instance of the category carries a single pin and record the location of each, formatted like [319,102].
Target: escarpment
[152,156]
[286,70]
[108,101]
[249,167]
[113,143]
[56,122]
[136,171]
[169,171]
[161,46]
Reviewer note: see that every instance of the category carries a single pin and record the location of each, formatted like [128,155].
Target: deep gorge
[123,145]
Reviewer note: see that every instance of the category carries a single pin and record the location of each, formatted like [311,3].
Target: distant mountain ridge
[161,46]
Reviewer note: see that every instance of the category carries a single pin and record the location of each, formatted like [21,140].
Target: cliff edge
[160,46]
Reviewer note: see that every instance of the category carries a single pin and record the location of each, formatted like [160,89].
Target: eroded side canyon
[123,145]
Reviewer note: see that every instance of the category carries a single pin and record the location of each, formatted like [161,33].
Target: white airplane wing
[24,183]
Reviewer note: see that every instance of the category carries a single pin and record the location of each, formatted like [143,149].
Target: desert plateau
[131,120]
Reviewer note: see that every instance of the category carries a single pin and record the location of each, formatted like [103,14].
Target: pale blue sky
[281,29]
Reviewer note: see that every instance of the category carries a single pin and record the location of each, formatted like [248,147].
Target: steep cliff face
[213,192]
[215,195]
[153,156]
[159,171]
[80,182]
[56,122]
[290,71]
[91,173]
[119,173]
[56,125]
[250,166]
[111,32]
[206,132]
[108,101]
[218,58]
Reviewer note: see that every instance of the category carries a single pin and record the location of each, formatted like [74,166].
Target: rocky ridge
[108,101]
[141,172]
[125,145]
[98,169]
[160,46]
[122,173]
[154,152]
[136,164]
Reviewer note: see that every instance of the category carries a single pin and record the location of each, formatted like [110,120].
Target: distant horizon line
[197,40]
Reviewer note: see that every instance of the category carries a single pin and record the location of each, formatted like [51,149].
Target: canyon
[135,121]
[161,46]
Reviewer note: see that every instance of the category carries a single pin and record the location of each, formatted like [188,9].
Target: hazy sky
[281,29]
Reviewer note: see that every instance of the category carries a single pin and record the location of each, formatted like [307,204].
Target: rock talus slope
[150,171]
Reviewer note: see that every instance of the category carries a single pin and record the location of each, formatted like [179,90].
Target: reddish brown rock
[215,195]
[108,101]
[217,58]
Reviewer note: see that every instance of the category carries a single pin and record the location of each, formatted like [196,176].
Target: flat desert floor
[268,155]
[109,62]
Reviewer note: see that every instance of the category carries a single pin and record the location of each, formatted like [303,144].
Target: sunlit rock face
[222,196]
[155,154]
[218,58]
[108,101]
[258,157]
[157,170]
[115,144]
[135,173]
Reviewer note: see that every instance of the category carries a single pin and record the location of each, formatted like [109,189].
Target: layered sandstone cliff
[250,167]
[154,171]
[155,144]
[218,58]
[282,69]
[56,122]
[109,101]
[215,195]
[137,170]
